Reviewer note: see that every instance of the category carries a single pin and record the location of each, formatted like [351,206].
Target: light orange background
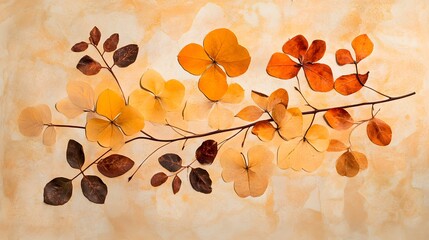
[387,201]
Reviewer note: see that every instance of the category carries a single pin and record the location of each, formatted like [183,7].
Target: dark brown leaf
[206,153]
[80,47]
[75,156]
[94,36]
[94,189]
[379,132]
[58,191]
[115,165]
[177,182]
[88,66]
[111,43]
[170,161]
[200,180]
[126,55]
[158,179]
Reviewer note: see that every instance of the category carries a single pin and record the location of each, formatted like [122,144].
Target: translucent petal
[220,117]
[66,107]
[130,120]
[291,125]
[109,104]
[233,164]
[213,83]
[172,96]
[49,136]
[234,94]
[81,94]
[318,137]
[148,105]
[153,82]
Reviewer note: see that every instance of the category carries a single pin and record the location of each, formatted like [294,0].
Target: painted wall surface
[390,200]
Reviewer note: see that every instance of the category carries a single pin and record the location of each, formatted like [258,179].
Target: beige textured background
[387,201]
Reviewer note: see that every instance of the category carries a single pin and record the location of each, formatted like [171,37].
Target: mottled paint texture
[387,201]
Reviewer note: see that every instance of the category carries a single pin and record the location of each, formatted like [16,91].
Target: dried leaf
[291,124]
[58,191]
[250,113]
[318,137]
[74,154]
[281,66]
[279,96]
[81,94]
[94,36]
[200,180]
[176,184]
[158,179]
[88,66]
[339,119]
[111,43]
[315,52]
[49,136]
[213,83]
[299,155]
[80,47]
[115,165]
[336,146]
[260,99]
[363,47]
[347,165]
[32,119]
[360,159]
[125,56]
[343,57]
[220,117]
[234,94]
[296,47]
[94,189]
[194,59]
[206,153]
[264,130]
[319,77]
[348,84]
[379,132]
[170,161]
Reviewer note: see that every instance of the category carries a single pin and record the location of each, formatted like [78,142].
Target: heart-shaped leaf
[158,179]
[206,153]
[177,182]
[94,189]
[75,155]
[58,191]
[379,132]
[111,43]
[115,165]
[200,180]
[88,66]
[125,56]
[170,161]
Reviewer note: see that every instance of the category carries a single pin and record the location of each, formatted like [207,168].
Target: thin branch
[63,126]
[93,162]
[302,95]
[370,88]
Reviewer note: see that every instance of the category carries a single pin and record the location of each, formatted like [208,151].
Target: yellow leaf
[172,95]
[109,104]
[291,125]
[234,94]
[250,113]
[318,137]
[66,107]
[279,96]
[197,110]
[148,105]
[299,155]
[130,120]
[94,127]
[194,59]
[49,136]
[264,130]
[213,83]
[32,119]
[81,94]
[220,117]
[260,99]
[153,82]
[104,132]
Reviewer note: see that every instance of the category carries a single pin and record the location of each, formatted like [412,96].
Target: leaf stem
[63,126]
[370,88]
[92,163]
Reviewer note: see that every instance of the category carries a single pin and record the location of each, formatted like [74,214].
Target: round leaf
[250,113]
[363,47]
[339,118]
[200,180]
[206,153]
[115,165]
[170,161]
[343,57]
[88,66]
[379,132]
[79,47]
[177,182]
[347,165]
[111,43]
[58,191]
[94,189]
[158,179]
[279,96]
[336,146]
[318,137]
[75,155]
[125,56]
[349,84]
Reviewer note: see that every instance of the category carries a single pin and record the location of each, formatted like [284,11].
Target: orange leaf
[315,52]
[336,146]
[250,113]
[296,47]
[379,132]
[109,104]
[343,57]
[281,66]
[349,84]
[264,130]
[213,83]
[234,94]
[32,119]
[319,77]
[318,136]
[339,118]
[291,125]
[360,159]
[260,99]
[299,155]
[194,59]
[363,47]
[347,165]
[279,96]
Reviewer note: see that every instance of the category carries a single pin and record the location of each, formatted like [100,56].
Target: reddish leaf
[349,84]
[200,180]
[347,165]
[111,43]
[170,161]
[206,153]
[339,118]
[319,77]
[125,56]
[177,182]
[115,165]
[296,47]
[58,191]
[94,189]
[158,179]
[88,66]
[315,52]
[281,66]
[343,57]
[379,132]
[80,47]
[75,156]
[94,36]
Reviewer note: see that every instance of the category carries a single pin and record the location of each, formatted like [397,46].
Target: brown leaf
[319,77]
[349,84]
[200,180]
[58,191]
[75,156]
[80,47]
[339,119]
[360,159]
[260,99]
[115,165]
[343,57]
[94,36]
[88,66]
[279,96]
[94,189]
[264,130]
[206,153]
[296,47]
[177,182]
[111,43]
[158,179]
[250,113]
[363,47]
[347,165]
[125,56]
[336,146]
[170,161]
[379,132]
